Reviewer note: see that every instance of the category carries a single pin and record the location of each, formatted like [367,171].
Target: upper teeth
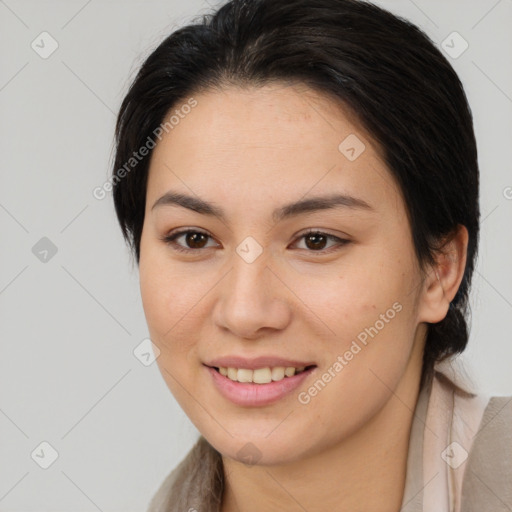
[261,375]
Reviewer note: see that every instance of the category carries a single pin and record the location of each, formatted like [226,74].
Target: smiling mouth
[264,375]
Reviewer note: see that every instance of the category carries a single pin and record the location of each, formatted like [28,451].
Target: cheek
[165,295]
[351,297]
[168,299]
[366,313]
[174,302]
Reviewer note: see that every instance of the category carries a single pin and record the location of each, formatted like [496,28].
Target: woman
[298,181]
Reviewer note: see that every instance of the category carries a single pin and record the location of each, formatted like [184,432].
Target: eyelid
[317,231]
[170,238]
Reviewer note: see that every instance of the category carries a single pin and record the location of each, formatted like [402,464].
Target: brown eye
[195,240]
[316,241]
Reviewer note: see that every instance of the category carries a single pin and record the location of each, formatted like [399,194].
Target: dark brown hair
[385,69]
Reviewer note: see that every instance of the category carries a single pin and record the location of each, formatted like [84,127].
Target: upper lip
[256,362]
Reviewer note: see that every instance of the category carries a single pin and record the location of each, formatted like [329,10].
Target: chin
[255,446]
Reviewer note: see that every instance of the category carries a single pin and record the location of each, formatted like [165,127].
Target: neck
[364,472]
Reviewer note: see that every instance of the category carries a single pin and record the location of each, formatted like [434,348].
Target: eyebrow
[303,206]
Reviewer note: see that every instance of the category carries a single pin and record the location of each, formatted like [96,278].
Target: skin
[250,151]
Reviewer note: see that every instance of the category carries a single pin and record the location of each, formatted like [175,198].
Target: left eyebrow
[320,203]
[289,210]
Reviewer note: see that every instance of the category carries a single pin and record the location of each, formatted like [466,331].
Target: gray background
[69,324]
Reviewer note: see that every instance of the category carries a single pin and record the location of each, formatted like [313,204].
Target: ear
[443,280]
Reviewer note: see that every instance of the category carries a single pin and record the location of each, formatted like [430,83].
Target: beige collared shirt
[459,459]
[460,448]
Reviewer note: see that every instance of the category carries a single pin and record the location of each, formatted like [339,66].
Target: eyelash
[171,237]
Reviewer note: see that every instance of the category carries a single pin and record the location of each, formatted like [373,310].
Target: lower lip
[254,395]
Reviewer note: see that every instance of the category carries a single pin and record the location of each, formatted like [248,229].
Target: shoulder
[195,483]
[485,423]
[488,474]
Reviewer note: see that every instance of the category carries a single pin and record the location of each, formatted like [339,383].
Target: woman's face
[248,288]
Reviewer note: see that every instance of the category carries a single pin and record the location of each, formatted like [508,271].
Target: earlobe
[443,280]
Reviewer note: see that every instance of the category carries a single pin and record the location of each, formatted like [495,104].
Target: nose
[252,301]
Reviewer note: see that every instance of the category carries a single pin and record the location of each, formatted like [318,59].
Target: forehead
[276,141]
